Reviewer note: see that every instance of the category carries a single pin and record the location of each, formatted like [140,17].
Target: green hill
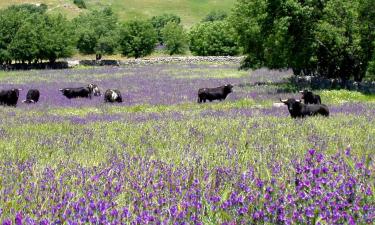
[191,11]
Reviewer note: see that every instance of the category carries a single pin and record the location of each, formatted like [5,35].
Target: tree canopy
[327,38]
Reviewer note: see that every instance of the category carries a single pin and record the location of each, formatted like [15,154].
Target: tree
[175,38]
[137,38]
[311,37]
[158,22]
[367,30]
[213,38]
[96,30]
[24,45]
[11,20]
[215,16]
[56,38]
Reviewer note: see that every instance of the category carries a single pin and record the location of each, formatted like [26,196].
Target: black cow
[9,97]
[298,109]
[95,89]
[218,93]
[310,98]
[112,95]
[81,92]
[32,96]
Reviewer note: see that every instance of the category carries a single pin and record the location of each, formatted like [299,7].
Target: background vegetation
[312,38]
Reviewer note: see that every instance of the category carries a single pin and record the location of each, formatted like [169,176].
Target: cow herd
[10,97]
[312,103]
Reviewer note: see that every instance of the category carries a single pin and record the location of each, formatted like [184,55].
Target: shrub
[175,38]
[213,38]
[80,4]
[137,38]
[215,16]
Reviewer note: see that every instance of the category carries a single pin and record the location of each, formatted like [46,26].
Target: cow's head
[306,94]
[293,104]
[16,91]
[228,88]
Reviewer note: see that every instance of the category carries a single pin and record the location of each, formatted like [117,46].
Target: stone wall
[160,60]
[314,82]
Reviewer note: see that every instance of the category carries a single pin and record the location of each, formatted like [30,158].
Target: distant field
[191,11]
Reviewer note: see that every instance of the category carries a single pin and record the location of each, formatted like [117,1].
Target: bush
[213,39]
[215,16]
[137,38]
[158,22]
[80,4]
[175,38]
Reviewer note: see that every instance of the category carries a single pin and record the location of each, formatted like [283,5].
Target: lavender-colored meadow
[161,158]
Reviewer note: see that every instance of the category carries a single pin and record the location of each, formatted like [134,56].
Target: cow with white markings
[32,96]
[95,89]
[112,95]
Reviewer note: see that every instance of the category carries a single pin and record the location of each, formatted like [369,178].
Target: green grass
[342,96]
[191,11]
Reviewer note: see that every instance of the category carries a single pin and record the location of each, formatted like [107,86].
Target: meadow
[161,158]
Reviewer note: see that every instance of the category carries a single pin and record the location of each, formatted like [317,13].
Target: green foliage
[28,34]
[11,20]
[213,39]
[97,32]
[137,38]
[215,15]
[158,22]
[80,4]
[24,45]
[327,38]
[56,38]
[175,38]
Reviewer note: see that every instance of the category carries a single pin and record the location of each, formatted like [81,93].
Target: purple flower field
[161,158]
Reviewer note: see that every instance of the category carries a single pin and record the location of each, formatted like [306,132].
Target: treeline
[29,35]
[332,38]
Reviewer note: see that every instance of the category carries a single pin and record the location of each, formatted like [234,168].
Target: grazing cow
[218,93]
[32,96]
[95,89]
[309,98]
[81,92]
[9,97]
[298,109]
[112,95]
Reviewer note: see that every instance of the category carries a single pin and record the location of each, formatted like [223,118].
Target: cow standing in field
[300,110]
[218,93]
[32,96]
[95,89]
[112,95]
[310,98]
[80,92]
[9,97]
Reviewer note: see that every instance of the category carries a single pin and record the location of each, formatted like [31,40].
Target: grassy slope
[191,11]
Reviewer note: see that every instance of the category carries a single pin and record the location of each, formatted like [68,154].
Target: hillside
[191,11]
